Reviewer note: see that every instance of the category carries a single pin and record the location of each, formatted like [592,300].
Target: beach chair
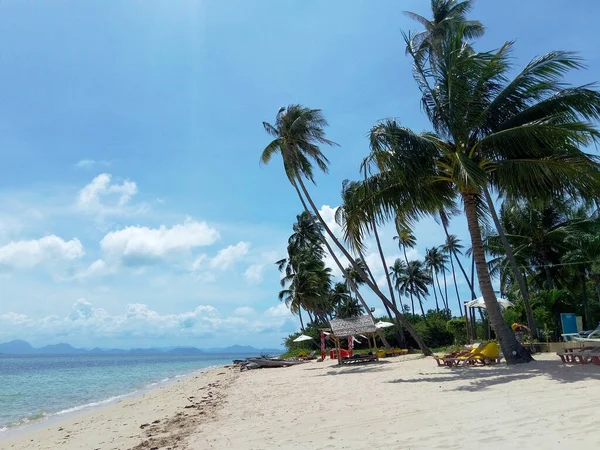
[584,355]
[448,359]
[489,354]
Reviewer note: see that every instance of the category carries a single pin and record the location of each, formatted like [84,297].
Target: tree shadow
[483,377]
[376,366]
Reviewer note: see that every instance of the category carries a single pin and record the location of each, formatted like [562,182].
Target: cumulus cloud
[228,256]
[90,163]
[31,253]
[328,215]
[101,196]
[138,321]
[254,273]
[142,245]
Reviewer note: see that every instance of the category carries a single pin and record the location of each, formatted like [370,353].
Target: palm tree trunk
[439,289]
[513,264]
[300,316]
[341,267]
[456,285]
[422,310]
[446,289]
[437,306]
[512,350]
[398,328]
[584,297]
[399,316]
[310,316]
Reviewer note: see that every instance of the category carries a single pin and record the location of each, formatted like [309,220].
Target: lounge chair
[584,355]
[447,359]
[489,354]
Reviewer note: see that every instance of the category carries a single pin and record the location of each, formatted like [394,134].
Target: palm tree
[345,305]
[520,138]
[397,271]
[406,239]
[453,248]
[297,134]
[447,14]
[436,262]
[413,282]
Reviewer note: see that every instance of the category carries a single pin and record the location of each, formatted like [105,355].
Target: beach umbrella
[382,324]
[302,337]
[479,303]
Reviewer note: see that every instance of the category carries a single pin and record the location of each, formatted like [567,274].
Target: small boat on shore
[260,363]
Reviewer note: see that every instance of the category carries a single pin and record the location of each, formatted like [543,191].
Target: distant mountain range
[19,347]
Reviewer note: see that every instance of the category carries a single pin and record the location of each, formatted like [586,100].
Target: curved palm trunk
[513,264]
[433,277]
[310,317]
[399,316]
[422,310]
[339,264]
[398,328]
[512,350]
[469,283]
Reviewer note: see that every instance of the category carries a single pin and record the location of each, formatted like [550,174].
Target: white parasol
[302,337]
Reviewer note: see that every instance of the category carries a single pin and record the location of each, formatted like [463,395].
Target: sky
[133,209]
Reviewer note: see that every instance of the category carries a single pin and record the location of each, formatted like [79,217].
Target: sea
[36,388]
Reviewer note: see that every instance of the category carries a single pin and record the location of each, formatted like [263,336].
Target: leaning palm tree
[520,138]
[406,239]
[435,262]
[297,133]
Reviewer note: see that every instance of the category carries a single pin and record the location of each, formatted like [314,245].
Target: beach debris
[144,425]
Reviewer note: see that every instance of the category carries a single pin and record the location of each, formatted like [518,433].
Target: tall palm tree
[297,133]
[414,281]
[345,305]
[519,138]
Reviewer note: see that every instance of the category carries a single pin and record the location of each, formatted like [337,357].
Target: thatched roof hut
[352,326]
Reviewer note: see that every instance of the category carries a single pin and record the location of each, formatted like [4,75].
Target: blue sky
[133,210]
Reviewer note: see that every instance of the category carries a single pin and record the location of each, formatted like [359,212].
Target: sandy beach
[400,403]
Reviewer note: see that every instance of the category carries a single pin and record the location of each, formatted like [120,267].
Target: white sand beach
[399,403]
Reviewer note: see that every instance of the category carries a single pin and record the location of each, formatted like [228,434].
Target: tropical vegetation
[509,152]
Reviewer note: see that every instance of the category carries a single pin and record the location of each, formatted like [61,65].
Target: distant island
[20,347]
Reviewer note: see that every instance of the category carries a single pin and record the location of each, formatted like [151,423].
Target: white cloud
[142,245]
[101,196]
[328,215]
[31,253]
[90,163]
[228,256]
[96,269]
[254,273]
[138,321]
[244,311]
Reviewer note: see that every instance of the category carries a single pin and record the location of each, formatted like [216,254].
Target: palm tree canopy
[414,280]
[435,259]
[297,133]
[447,15]
[521,137]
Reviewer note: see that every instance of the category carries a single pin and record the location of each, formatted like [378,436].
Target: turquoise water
[35,387]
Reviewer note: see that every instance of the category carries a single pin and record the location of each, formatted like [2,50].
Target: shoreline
[128,420]
[402,402]
[28,423]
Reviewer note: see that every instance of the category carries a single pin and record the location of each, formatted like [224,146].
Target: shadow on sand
[483,377]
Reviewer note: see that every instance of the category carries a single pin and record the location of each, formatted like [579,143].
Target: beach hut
[350,327]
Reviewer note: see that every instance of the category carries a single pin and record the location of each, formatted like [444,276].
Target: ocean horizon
[37,387]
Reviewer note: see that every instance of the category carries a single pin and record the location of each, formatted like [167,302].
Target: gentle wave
[38,417]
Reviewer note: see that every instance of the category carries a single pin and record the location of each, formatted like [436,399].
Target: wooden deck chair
[583,355]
